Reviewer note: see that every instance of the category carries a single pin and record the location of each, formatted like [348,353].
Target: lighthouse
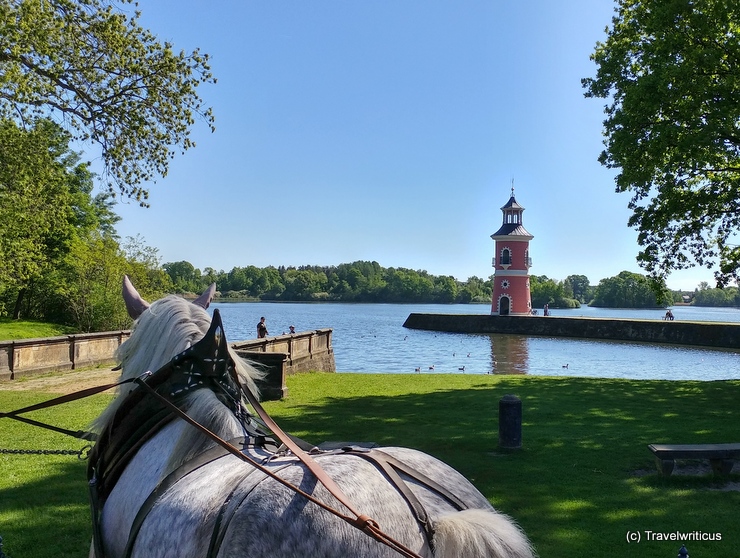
[511,263]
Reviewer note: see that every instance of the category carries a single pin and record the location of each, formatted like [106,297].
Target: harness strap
[90,436]
[391,467]
[111,464]
[388,462]
[95,508]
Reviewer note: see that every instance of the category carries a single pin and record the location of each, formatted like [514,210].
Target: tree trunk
[18,304]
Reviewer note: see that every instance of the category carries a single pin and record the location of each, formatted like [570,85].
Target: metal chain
[81,454]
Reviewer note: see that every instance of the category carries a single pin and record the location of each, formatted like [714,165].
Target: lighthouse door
[504,306]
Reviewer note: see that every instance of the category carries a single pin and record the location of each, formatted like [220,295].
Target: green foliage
[628,290]
[729,296]
[185,277]
[359,281]
[670,72]
[555,294]
[406,285]
[84,289]
[303,284]
[36,183]
[45,204]
[97,72]
[62,259]
[578,287]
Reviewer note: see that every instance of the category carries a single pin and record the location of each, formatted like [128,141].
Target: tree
[145,269]
[185,277]
[445,289]
[716,297]
[93,69]
[84,289]
[475,289]
[304,284]
[407,285]
[547,291]
[578,287]
[44,197]
[670,70]
[627,290]
[274,283]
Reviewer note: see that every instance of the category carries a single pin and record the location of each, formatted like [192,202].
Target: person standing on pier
[261,328]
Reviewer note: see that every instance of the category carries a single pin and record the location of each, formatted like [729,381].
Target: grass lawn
[583,481]
[24,329]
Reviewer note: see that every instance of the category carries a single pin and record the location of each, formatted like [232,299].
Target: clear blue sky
[391,131]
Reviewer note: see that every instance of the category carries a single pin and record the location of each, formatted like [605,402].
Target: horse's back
[245,513]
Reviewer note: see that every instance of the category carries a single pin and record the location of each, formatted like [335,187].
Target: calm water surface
[371,338]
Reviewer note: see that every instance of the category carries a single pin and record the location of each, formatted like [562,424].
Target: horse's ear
[205,299]
[135,305]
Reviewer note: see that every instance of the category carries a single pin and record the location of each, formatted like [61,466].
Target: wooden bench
[721,456]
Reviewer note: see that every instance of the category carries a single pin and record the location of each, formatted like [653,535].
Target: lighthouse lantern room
[511,263]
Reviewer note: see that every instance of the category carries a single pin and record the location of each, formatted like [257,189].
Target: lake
[371,338]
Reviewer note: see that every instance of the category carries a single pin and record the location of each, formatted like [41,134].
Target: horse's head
[162,330]
[135,305]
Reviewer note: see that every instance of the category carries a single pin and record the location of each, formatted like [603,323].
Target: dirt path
[62,382]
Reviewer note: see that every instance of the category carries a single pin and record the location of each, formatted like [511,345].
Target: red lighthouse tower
[511,263]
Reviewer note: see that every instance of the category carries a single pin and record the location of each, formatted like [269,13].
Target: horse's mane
[169,326]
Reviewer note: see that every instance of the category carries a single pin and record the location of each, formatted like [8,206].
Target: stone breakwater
[703,334]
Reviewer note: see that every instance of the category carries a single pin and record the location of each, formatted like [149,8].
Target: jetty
[703,334]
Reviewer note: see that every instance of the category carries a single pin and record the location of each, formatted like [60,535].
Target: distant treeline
[365,281]
[360,281]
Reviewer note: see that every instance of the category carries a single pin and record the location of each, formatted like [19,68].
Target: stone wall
[278,356]
[34,356]
[705,334]
[284,355]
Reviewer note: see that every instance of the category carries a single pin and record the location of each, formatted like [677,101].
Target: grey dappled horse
[226,507]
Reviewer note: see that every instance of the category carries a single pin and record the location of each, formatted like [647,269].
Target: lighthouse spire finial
[512,187]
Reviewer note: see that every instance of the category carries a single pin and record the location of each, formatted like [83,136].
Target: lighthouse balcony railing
[529,262]
[507,261]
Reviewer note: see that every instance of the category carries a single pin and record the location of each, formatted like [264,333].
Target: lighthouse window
[505,257]
[512,218]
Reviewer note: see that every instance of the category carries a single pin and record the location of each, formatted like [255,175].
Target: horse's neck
[203,407]
[169,448]
[145,470]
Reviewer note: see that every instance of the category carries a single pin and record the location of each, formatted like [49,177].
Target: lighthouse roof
[512,204]
[512,229]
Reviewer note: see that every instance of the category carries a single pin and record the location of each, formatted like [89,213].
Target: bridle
[156,400]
